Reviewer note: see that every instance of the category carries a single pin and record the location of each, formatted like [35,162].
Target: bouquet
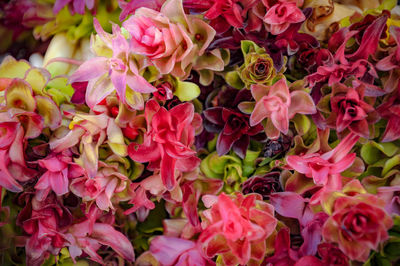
[187,132]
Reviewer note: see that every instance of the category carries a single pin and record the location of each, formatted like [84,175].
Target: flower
[332,255]
[390,110]
[279,17]
[44,222]
[277,147]
[391,61]
[232,125]
[59,169]
[279,105]
[257,68]
[350,111]
[357,224]
[325,168]
[173,41]
[168,140]
[177,251]
[108,74]
[235,227]
[283,254]
[89,235]
[76,6]
[106,187]
[263,185]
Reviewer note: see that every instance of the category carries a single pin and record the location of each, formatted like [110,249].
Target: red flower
[358,222]
[349,110]
[167,143]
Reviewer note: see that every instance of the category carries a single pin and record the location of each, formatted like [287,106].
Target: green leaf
[234,80]
[186,91]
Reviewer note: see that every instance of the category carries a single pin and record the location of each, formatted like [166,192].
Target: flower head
[235,227]
[168,140]
[278,105]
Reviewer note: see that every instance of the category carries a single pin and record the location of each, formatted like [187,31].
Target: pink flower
[108,74]
[168,141]
[279,105]
[283,254]
[325,168]
[281,15]
[107,185]
[89,235]
[167,44]
[177,251]
[236,227]
[76,6]
[44,221]
[59,169]
[358,224]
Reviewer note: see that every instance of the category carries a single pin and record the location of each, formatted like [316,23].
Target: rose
[263,185]
[357,225]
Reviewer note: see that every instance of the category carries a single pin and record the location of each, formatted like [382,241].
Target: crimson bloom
[167,143]
[349,110]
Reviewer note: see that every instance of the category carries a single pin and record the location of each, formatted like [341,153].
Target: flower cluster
[187,132]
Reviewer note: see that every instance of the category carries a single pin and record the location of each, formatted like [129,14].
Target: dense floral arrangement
[200,132]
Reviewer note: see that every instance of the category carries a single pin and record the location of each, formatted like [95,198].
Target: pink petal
[90,69]
[107,235]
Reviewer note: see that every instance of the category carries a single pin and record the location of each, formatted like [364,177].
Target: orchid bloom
[279,105]
[236,227]
[325,168]
[167,143]
[106,75]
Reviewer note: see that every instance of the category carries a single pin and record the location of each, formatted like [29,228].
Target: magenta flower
[283,254]
[108,74]
[236,227]
[325,168]
[281,15]
[279,105]
[76,6]
[167,143]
